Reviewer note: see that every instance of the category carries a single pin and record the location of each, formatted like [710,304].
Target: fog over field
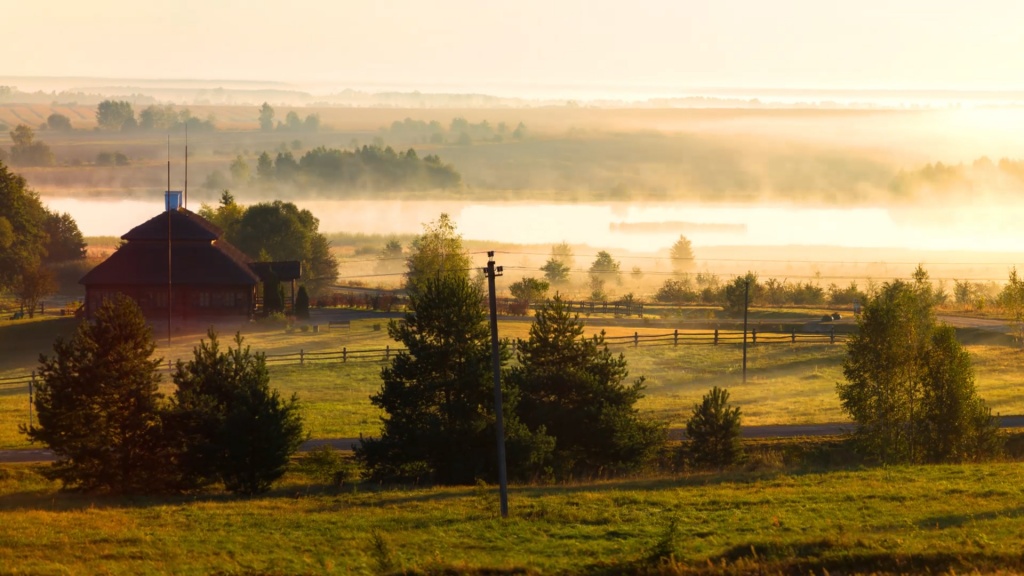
[743,126]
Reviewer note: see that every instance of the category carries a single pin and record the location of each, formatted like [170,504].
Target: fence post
[753,333]
[31,385]
[675,341]
[302,357]
[641,310]
[793,336]
[832,336]
[716,336]
[387,352]
[636,339]
[344,355]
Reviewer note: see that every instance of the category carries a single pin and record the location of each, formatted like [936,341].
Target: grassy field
[934,519]
[786,384]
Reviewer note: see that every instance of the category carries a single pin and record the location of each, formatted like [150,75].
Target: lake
[635,226]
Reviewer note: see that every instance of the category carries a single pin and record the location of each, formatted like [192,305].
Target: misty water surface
[630,225]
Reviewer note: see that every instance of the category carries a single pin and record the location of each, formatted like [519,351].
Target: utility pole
[746,302]
[499,421]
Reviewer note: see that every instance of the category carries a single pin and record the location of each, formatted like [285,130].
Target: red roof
[184,225]
[198,255]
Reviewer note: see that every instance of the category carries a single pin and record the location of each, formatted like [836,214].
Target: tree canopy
[435,253]
[366,168]
[22,228]
[575,390]
[681,254]
[280,231]
[98,404]
[438,399]
[560,264]
[115,115]
[910,386]
[229,424]
[27,151]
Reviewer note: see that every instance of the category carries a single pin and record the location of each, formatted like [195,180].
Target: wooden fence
[383,355]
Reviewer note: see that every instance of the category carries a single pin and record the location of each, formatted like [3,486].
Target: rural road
[768,431]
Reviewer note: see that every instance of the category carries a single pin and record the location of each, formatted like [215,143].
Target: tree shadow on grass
[957,520]
[818,556]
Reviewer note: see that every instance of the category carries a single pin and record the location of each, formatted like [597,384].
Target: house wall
[186,301]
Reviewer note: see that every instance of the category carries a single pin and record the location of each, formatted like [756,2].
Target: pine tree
[438,396]
[230,425]
[714,430]
[98,405]
[574,389]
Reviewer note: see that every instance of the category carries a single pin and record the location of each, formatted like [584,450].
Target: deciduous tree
[65,239]
[26,151]
[529,290]
[22,232]
[909,385]
[115,115]
[58,122]
[266,117]
[436,253]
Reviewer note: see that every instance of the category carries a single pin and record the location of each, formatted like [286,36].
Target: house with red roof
[180,260]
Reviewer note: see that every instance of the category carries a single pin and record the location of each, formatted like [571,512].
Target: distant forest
[983,176]
[369,167]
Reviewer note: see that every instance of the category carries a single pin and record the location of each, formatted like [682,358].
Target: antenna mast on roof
[186,166]
[170,293]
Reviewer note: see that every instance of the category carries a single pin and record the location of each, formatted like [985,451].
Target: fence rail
[381,355]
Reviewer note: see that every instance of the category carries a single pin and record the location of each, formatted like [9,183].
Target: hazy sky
[480,43]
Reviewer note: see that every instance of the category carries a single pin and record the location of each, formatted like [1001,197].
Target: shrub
[230,425]
[302,303]
[714,430]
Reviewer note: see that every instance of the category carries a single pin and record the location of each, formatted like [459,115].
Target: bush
[677,292]
[229,424]
[302,303]
[714,431]
[328,466]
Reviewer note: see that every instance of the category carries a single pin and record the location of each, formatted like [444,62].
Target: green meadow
[935,519]
[785,384]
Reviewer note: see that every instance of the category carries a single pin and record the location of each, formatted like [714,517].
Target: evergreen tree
[98,406]
[438,396]
[714,430]
[681,254]
[574,389]
[302,303]
[229,424]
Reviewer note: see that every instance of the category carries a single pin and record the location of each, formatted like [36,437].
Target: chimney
[172,200]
